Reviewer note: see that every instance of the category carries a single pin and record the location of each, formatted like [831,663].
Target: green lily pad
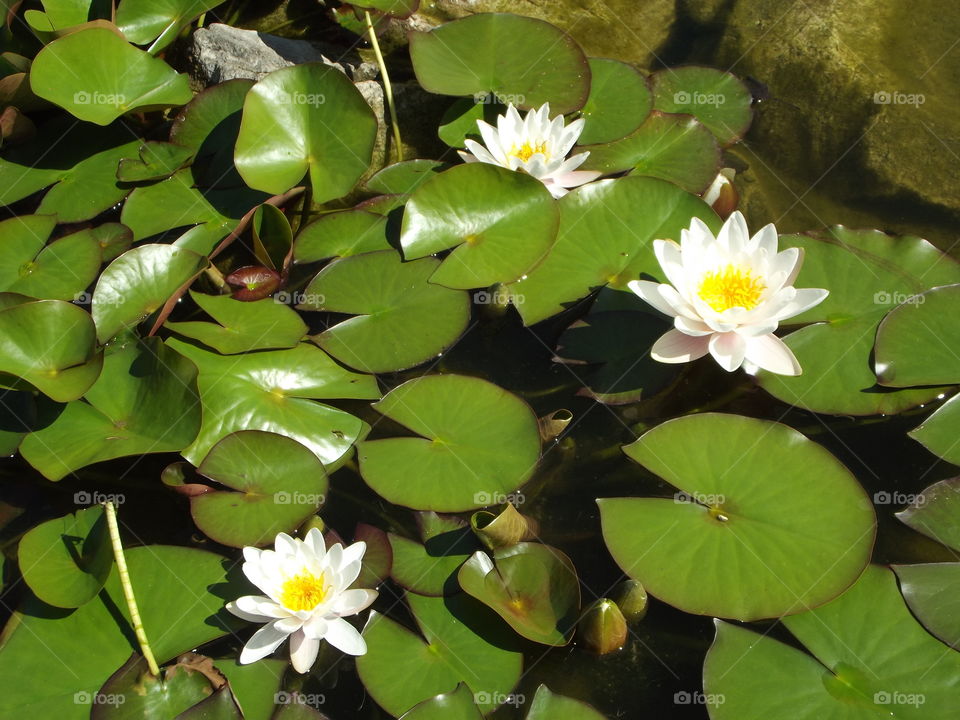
[936,513]
[403,177]
[501,223]
[401,319]
[402,669]
[341,234]
[279,484]
[532,586]
[456,705]
[716,98]
[618,103]
[547,705]
[749,535]
[867,273]
[596,247]
[180,593]
[52,345]
[459,122]
[221,705]
[274,391]
[430,568]
[158,21]
[132,693]
[66,561]
[675,148]
[505,54]
[478,441]
[62,14]
[153,161]
[272,236]
[932,592]
[138,283]
[868,658]
[243,326]
[144,401]
[255,685]
[305,119]
[94,91]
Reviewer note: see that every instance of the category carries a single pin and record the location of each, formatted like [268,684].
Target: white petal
[351,602]
[677,347]
[728,349]
[770,353]
[536,166]
[691,327]
[315,543]
[263,642]
[480,153]
[334,559]
[570,164]
[670,259]
[557,191]
[805,299]
[765,240]
[252,554]
[316,626]
[491,138]
[344,636]
[353,553]
[348,574]
[467,157]
[649,292]
[569,137]
[676,301]
[575,178]
[235,609]
[260,605]
[285,544]
[734,235]
[764,327]
[303,652]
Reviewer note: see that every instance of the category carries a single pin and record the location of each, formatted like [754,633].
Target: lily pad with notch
[430,568]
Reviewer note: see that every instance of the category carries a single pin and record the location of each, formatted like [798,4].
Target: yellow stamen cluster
[527,151]
[303,592]
[730,287]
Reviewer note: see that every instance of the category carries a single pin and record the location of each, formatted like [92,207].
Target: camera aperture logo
[699,498]
[83,97]
[299,298]
[883,497]
[298,498]
[301,98]
[699,98]
[698,698]
[899,698]
[498,698]
[84,497]
[488,98]
[88,698]
[894,97]
[314,700]
[897,298]
[487,499]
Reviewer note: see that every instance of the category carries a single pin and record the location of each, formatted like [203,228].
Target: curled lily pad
[305,120]
[751,498]
[279,483]
[402,669]
[867,273]
[144,401]
[478,441]
[501,223]
[401,319]
[158,22]
[716,98]
[619,101]
[272,236]
[866,657]
[52,345]
[93,90]
[936,513]
[532,586]
[243,326]
[430,568]
[274,391]
[66,561]
[341,234]
[138,283]
[503,529]
[932,591]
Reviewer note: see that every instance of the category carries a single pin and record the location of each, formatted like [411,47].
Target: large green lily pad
[618,103]
[505,54]
[478,441]
[750,534]
[867,273]
[402,668]
[501,223]
[400,318]
[341,234]
[158,21]
[868,658]
[716,98]
[279,483]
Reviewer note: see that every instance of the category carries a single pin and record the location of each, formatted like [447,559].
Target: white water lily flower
[536,145]
[727,295]
[306,599]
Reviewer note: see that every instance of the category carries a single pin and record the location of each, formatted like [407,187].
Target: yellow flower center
[303,592]
[730,287]
[527,151]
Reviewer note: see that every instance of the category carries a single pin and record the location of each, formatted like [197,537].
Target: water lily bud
[722,194]
[253,282]
[631,597]
[603,629]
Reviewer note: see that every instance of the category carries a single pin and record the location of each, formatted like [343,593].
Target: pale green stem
[387,87]
[128,589]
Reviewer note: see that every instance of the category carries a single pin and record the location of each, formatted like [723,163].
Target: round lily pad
[158,22]
[750,533]
[478,441]
[619,101]
[401,319]
[279,483]
[716,98]
[403,177]
[532,586]
[505,54]
[501,223]
[340,234]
